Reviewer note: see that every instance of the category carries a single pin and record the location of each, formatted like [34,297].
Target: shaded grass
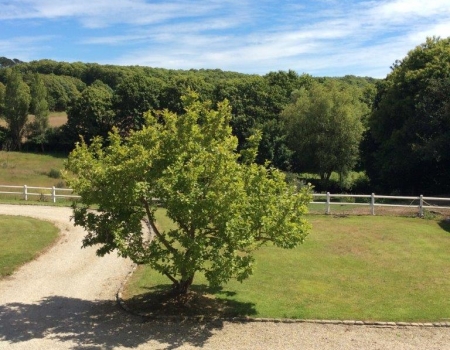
[157,301]
[363,268]
[21,240]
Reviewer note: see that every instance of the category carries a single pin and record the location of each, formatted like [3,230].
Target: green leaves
[16,102]
[224,209]
[324,128]
[409,125]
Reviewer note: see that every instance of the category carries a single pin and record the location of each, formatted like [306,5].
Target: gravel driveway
[65,299]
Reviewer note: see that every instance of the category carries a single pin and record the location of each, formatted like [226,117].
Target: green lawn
[360,267]
[21,240]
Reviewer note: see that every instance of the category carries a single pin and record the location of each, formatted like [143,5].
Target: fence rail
[371,199]
[41,192]
[422,202]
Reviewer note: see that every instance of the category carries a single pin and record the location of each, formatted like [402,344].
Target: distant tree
[224,205]
[285,83]
[256,105]
[108,74]
[8,62]
[62,90]
[2,98]
[16,107]
[39,107]
[324,128]
[91,114]
[3,131]
[178,85]
[134,96]
[407,147]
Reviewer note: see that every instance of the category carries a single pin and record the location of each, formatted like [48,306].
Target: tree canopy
[410,123]
[2,97]
[224,205]
[324,128]
[16,103]
[91,113]
[39,108]
[129,91]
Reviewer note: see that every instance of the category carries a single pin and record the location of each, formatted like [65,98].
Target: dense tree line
[407,148]
[396,129]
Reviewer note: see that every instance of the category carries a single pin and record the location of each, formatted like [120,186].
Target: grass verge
[361,268]
[21,240]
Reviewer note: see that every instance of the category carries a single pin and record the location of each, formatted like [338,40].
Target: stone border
[380,324]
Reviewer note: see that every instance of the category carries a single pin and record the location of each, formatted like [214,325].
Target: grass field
[351,267]
[360,267]
[54,119]
[21,240]
[57,119]
[19,168]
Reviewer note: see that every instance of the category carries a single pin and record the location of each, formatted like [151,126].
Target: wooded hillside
[396,129]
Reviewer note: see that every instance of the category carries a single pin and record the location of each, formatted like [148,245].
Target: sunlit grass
[21,240]
[31,169]
[363,268]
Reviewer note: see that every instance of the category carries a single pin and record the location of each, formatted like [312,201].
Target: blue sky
[322,37]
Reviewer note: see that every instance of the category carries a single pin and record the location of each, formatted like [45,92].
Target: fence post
[421,206]
[328,203]
[372,204]
[25,192]
[53,194]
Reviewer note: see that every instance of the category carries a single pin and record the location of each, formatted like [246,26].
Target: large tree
[224,205]
[407,149]
[256,105]
[16,106]
[2,97]
[324,128]
[91,114]
[133,97]
[39,108]
[62,90]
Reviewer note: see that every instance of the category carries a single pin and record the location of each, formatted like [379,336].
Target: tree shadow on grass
[97,325]
[445,225]
[201,301]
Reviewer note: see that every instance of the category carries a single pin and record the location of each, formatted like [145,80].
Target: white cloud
[439,29]
[101,13]
[23,48]
[246,35]
[404,10]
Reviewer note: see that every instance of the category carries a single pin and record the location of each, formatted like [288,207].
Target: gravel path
[65,300]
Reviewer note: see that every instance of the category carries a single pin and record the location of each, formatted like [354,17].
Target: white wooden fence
[422,202]
[41,193]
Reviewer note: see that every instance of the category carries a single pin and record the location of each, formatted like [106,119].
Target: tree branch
[263,239]
[171,278]
[156,231]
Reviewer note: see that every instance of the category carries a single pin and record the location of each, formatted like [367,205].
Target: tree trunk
[182,287]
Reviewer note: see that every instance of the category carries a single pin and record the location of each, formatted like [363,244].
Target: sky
[321,37]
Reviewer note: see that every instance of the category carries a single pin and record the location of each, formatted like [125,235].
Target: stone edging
[125,307]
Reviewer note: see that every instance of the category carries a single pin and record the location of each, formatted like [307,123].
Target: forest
[347,134]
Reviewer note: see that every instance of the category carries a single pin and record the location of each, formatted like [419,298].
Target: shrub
[54,174]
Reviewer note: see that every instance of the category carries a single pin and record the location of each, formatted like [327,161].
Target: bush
[60,184]
[294,179]
[353,182]
[54,174]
